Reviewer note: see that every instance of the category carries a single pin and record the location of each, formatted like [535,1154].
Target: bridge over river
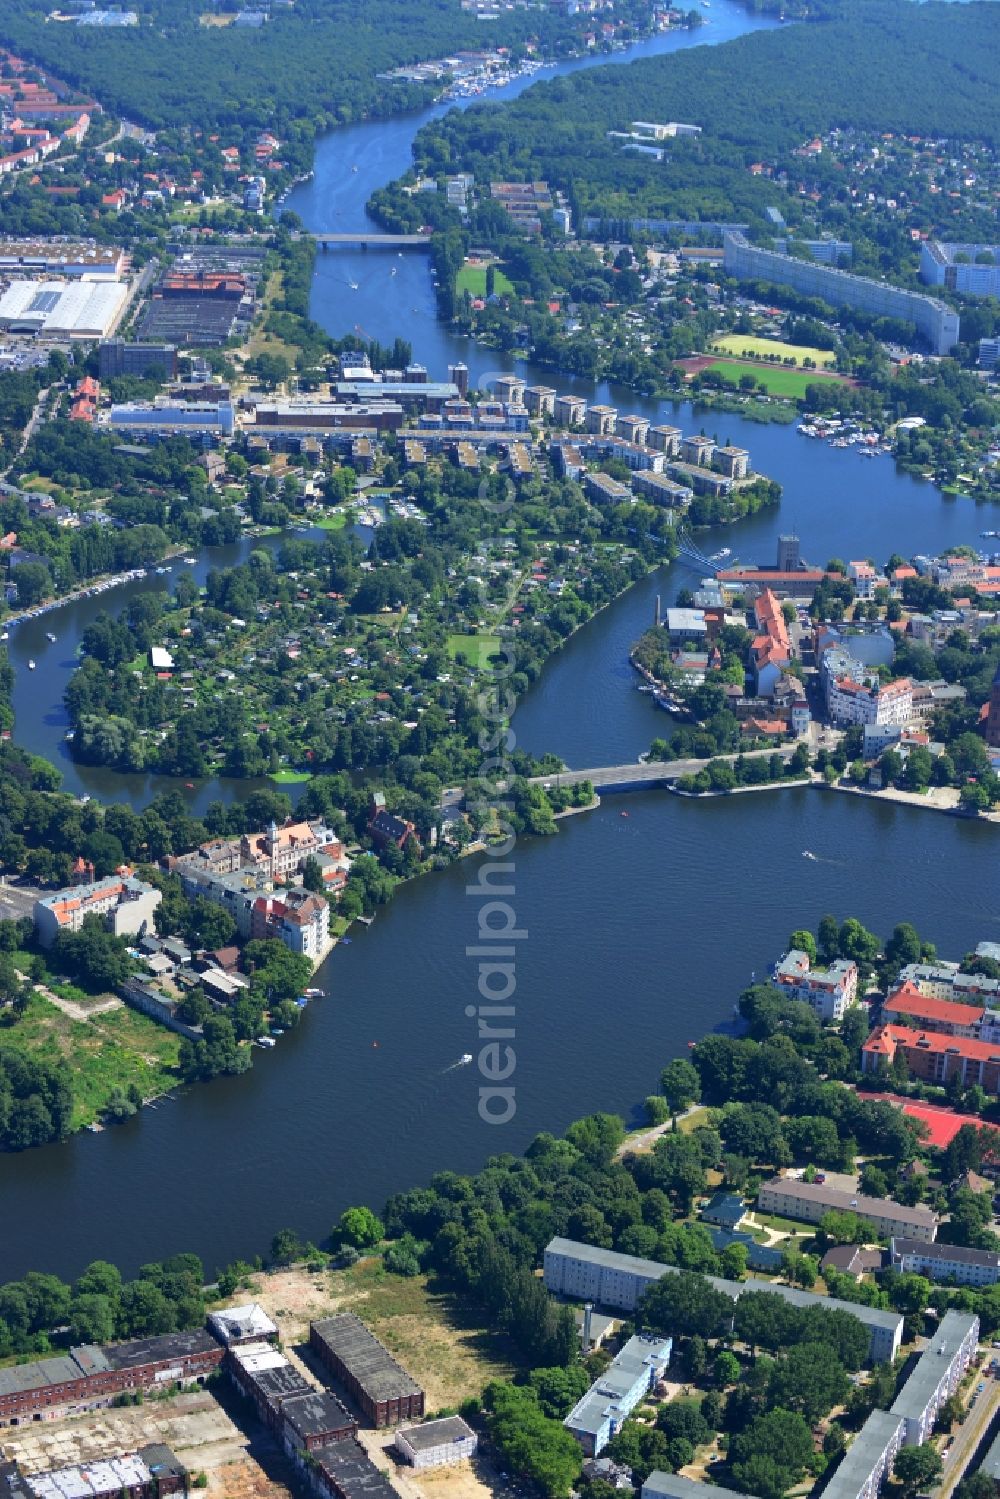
[332,240]
[643,773]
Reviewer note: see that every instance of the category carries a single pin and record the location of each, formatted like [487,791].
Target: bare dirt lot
[194,1425]
[431,1336]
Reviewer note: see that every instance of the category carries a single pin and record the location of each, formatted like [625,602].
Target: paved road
[648,773]
[17,901]
[970,1435]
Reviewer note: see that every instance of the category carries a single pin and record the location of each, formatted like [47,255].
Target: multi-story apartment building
[933,319]
[968,270]
[298,918]
[852,702]
[946,1262]
[586,1273]
[791,1197]
[937,1375]
[934,1057]
[830,991]
[599,1414]
[127,905]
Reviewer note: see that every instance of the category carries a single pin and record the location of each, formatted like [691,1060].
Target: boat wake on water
[463,1061]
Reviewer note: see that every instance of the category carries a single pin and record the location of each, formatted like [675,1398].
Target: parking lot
[17,901]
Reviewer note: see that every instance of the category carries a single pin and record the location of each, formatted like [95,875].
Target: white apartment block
[829,991]
[946,1262]
[937,1375]
[851,702]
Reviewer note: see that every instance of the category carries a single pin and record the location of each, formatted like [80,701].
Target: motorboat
[31,665]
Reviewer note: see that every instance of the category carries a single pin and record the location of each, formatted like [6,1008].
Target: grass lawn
[777,381]
[472,278]
[783,1225]
[289,777]
[477,649]
[112,1049]
[335,522]
[772,348]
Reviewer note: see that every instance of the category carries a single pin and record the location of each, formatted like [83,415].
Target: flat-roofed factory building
[382,1388]
[437,1444]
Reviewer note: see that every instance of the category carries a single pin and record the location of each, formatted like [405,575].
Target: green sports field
[772,348]
[472,278]
[772,378]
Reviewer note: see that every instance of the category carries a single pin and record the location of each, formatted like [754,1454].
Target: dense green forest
[843,71]
[309,67]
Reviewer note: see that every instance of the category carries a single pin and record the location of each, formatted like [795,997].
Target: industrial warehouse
[63,309]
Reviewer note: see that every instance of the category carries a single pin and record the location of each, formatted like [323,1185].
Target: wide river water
[682,901]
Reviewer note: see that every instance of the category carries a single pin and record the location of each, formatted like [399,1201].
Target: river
[687,899]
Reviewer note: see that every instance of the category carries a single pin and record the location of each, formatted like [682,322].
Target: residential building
[665,440]
[934,1057]
[585,1273]
[381,1387]
[437,1444]
[661,1485]
[385,828]
[945,1262]
[151,1472]
[600,1413]
[937,1375]
[725,1210]
[281,852]
[770,650]
[126,904]
[830,991]
[791,1197]
[602,421]
[604,490]
[735,462]
[570,410]
[906,1005]
[968,270]
[852,702]
[868,1461]
[540,400]
[934,320]
[697,450]
[851,1259]
[947,981]
[661,490]
[298,918]
[989,358]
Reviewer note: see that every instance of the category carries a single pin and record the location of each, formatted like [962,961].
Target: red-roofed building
[771,650]
[933,1057]
[941,1015]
